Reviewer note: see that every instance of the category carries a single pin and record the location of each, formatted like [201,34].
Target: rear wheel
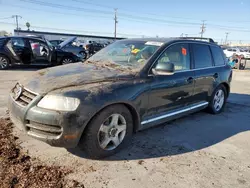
[67,60]
[4,62]
[218,100]
[108,132]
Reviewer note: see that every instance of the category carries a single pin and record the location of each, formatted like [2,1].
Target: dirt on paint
[109,65]
[18,169]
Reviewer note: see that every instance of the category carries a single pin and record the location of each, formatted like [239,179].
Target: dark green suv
[100,103]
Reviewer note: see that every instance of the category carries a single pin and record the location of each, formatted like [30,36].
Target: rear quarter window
[217,55]
[202,56]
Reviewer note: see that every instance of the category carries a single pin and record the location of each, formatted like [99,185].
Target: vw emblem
[18,92]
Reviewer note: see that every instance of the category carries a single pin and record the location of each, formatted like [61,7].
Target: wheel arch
[3,54]
[130,107]
[226,85]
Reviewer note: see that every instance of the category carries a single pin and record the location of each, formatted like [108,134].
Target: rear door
[19,50]
[41,51]
[205,72]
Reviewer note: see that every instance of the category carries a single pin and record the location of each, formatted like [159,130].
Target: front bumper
[60,129]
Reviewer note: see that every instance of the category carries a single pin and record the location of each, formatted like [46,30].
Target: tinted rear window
[202,56]
[217,55]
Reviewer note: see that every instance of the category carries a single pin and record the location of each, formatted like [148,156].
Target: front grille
[23,97]
[43,130]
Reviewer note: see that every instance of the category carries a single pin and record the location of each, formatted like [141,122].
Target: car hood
[64,43]
[46,80]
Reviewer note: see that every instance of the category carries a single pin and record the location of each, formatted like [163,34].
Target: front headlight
[60,103]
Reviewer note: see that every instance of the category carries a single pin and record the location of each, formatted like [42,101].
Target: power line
[70,30]
[66,7]
[63,13]
[102,12]
[53,5]
[176,17]
[5,18]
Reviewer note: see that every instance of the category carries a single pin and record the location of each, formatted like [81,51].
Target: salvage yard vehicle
[245,54]
[98,105]
[70,45]
[32,51]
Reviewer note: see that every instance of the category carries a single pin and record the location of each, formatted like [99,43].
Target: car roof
[170,39]
[26,37]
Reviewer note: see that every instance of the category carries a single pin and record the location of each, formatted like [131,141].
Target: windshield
[126,53]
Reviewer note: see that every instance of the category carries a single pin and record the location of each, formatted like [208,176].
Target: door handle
[190,79]
[216,75]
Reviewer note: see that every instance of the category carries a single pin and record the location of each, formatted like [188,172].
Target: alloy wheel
[219,99]
[67,61]
[83,55]
[112,132]
[3,62]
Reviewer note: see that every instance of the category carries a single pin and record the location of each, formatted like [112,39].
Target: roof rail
[199,38]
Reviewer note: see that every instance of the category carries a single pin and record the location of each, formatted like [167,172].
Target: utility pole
[16,19]
[116,21]
[203,28]
[226,37]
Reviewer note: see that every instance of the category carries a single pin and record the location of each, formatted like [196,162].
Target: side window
[17,42]
[217,55]
[178,54]
[202,56]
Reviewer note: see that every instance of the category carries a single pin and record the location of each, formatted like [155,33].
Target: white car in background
[241,52]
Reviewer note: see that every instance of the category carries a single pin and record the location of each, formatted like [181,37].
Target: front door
[41,52]
[171,92]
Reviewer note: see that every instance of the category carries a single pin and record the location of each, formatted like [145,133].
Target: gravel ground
[200,150]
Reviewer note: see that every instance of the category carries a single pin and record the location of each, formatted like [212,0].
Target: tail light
[35,45]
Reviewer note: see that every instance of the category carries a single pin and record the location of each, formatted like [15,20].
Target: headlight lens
[60,103]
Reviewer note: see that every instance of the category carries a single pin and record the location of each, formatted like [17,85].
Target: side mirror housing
[164,69]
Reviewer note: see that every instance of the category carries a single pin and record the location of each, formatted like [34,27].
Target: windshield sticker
[184,51]
[154,43]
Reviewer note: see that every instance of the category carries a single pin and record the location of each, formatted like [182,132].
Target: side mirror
[164,69]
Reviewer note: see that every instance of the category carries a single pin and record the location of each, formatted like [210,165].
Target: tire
[67,60]
[4,62]
[212,104]
[97,135]
[84,54]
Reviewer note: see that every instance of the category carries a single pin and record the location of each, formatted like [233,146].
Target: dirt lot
[200,150]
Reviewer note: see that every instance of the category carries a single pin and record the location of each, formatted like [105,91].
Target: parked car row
[99,104]
[244,53]
[78,47]
[33,51]
[36,50]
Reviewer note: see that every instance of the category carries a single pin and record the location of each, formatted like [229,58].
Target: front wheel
[83,55]
[218,100]
[4,62]
[108,132]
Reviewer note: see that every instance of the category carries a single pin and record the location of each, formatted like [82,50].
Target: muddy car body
[97,104]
